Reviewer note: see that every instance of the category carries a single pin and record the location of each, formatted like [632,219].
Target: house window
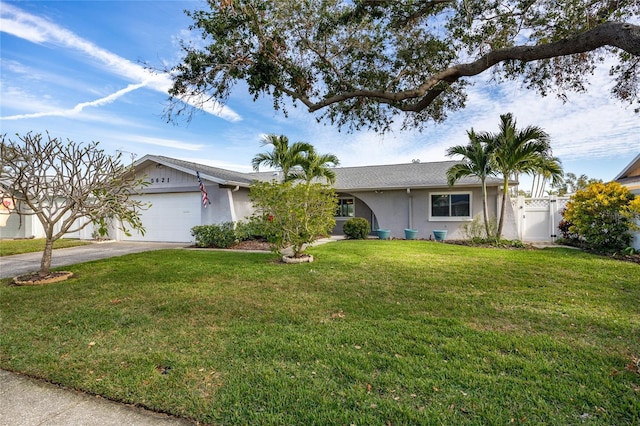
[346,208]
[450,206]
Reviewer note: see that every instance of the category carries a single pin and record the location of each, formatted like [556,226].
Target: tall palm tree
[283,156]
[549,169]
[476,162]
[515,151]
[316,166]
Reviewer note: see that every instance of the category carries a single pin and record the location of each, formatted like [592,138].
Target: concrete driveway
[11,266]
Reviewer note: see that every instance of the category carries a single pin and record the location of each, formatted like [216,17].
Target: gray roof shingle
[400,176]
[390,176]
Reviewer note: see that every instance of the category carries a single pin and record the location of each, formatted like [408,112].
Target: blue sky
[76,69]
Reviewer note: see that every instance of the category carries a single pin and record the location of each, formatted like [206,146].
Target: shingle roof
[400,176]
[390,176]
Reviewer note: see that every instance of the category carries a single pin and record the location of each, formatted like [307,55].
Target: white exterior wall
[26,227]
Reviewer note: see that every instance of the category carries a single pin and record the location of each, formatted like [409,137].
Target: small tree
[294,215]
[68,186]
[602,215]
[570,183]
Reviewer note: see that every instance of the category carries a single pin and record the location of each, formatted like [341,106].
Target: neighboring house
[394,197]
[630,177]
[29,226]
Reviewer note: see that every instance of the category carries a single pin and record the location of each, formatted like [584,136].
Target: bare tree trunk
[45,263]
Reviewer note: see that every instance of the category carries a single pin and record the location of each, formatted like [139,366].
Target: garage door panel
[170,217]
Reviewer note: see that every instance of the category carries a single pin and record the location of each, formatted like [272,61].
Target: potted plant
[410,234]
[384,234]
[440,235]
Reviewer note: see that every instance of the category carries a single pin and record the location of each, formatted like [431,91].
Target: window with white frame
[450,206]
[346,207]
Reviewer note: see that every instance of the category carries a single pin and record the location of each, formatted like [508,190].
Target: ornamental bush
[476,231]
[254,229]
[356,228]
[219,236]
[602,216]
[294,215]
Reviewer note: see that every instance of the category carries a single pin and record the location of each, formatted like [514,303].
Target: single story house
[630,177]
[394,197]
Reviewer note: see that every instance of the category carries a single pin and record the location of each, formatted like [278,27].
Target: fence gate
[538,218]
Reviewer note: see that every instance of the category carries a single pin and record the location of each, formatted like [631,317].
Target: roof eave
[190,171]
[629,166]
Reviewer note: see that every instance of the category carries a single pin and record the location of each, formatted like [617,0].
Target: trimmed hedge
[218,236]
[356,228]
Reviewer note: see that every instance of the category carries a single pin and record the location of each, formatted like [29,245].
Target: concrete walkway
[28,402]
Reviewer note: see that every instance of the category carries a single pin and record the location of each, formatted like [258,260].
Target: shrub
[602,216]
[220,236]
[356,228]
[294,215]
[254,229]
[475,230]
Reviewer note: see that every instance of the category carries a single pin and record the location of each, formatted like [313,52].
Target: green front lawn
[10,247]
[372,333]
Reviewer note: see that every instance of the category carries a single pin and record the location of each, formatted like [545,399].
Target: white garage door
[170,218]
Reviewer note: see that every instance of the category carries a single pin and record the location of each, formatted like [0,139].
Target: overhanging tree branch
[624,36]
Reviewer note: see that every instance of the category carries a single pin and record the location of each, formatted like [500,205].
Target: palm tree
[283,156]
[515,151]
[550,168]
[476,162]
[316,166]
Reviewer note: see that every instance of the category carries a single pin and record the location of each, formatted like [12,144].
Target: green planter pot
[440,235]
[384,234]
[410,234]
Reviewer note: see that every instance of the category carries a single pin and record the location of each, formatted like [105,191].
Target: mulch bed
[251,245]
[34,278]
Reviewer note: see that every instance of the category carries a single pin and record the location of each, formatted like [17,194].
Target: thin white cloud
[79,107]
[169,143]
[20,24]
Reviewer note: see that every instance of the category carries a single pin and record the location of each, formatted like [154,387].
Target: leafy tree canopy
[363,63]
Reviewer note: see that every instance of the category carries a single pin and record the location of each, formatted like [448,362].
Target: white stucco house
[630,177]
[394,197]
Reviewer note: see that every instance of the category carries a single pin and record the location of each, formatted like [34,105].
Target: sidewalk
[29,402]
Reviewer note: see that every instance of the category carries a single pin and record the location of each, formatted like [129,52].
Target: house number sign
[157,180]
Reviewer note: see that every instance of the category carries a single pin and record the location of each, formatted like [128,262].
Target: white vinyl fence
[537,219]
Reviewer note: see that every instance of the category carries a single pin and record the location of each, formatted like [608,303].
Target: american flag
[205,196]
